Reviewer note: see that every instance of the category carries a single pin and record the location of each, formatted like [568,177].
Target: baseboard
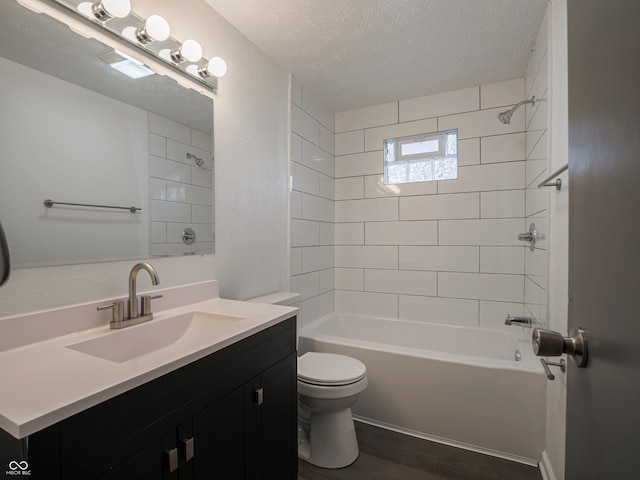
[545,467]
[451,443]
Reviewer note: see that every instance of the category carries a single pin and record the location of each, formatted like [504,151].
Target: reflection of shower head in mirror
[197,160]
[505,117]
[5,263]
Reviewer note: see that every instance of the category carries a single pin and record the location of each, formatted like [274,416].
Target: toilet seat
[329,369]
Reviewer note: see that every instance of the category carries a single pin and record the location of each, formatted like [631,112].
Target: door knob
[547,343]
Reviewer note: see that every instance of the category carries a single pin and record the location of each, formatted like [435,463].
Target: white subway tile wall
[442,251]
[432,106]
[437,251]
[313,189]
[537,161]
[181,192]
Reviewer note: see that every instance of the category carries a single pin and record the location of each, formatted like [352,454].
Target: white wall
[558,291]
[312,205]
[250,136]
[546,269]
[442,251]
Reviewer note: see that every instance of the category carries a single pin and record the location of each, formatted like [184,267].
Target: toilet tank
[278,298]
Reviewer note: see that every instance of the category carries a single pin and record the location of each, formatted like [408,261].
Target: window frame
[407,160]
[420,138]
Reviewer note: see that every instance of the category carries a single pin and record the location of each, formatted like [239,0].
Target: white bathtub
[457,385]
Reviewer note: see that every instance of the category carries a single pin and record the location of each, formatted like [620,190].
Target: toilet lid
[329,369]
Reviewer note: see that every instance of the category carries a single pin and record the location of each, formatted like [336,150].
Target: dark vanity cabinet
[230,415]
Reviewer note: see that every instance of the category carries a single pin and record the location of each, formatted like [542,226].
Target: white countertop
[45,382]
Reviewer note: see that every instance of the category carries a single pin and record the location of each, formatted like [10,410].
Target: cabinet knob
[171,459]
[259,396]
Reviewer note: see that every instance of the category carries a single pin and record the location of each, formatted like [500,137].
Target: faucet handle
[118,310]
[146,303]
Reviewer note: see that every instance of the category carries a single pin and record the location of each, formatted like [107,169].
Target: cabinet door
[177,451]
[219,434]
[230,437]
[275,421]
[142,465]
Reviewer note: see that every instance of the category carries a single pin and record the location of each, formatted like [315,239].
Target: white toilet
[328,386]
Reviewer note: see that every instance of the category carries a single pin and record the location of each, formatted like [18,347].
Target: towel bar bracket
[558,183]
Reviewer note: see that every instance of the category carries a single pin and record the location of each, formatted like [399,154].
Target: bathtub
[468,387]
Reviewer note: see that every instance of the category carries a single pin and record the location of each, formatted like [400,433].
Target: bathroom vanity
[208,405]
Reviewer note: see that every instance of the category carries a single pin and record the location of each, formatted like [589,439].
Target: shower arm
[505,117]
[532,101]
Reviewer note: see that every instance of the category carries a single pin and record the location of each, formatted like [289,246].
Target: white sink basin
[132,342]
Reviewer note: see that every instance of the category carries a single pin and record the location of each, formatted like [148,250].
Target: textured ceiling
[355,53]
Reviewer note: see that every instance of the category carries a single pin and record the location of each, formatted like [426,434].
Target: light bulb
[190,50]
[155,28]
[105,10]
[216,67]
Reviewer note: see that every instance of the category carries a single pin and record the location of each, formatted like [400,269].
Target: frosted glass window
[420,147]
[421,158]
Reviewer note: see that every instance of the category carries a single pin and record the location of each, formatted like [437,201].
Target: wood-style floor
[388,455]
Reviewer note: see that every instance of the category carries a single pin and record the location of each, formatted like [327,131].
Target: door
[603,400]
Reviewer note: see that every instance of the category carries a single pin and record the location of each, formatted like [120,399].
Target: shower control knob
[531,237]
[526,237]
[547,343]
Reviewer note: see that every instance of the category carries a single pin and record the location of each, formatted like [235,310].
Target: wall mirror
[75,130]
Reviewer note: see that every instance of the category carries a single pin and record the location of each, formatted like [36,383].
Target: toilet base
[328,440]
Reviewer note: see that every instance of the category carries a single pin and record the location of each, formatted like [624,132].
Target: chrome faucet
[135,316]
[133,301]
[522,321]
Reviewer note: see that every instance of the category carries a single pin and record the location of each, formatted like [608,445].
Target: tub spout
[522,321]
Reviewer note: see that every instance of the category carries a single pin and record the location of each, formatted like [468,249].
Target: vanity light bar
[152,36]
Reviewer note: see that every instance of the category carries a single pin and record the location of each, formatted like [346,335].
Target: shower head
[505,117]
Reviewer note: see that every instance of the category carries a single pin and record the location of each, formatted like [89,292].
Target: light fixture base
[124,29]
